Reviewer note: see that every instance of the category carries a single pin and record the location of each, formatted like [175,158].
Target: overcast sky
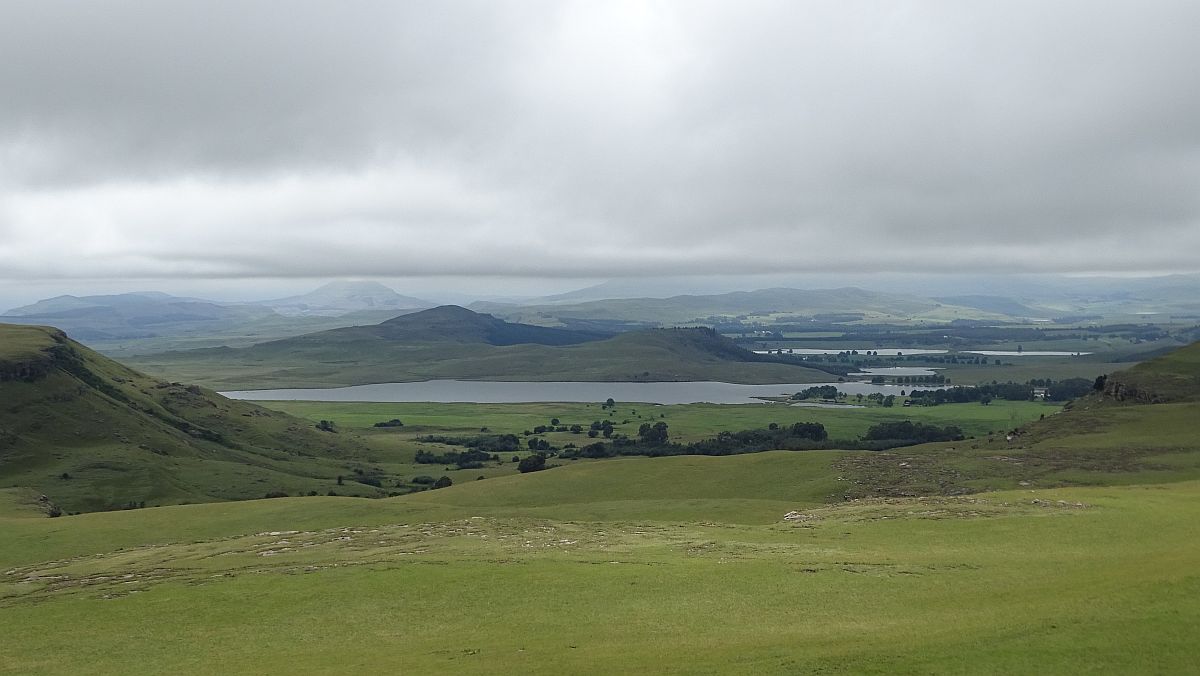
[171,140]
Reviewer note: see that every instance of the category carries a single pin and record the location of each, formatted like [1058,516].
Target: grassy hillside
[1171,377]
[456,343]
[1004,583]
[92,434]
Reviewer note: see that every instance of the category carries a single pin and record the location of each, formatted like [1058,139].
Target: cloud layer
[310,139]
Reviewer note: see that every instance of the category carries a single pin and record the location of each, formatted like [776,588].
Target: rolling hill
[446,324]
[452,342]
[1172,377]
[762,303]
[1000,305]
[92,434]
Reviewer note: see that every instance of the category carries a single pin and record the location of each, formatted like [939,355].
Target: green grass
[22,344]
[687,422]
[436,583]
[1172,377]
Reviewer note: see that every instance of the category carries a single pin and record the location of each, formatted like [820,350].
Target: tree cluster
[484,442]
[908,433]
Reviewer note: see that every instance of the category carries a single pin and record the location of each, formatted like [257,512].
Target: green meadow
[468,581]
[686,422]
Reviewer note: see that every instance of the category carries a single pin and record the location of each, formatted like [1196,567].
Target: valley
[560,338]
[616,526]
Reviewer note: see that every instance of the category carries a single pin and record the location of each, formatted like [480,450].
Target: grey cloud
[596,139]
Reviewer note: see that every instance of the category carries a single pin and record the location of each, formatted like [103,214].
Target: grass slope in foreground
[1057,581]
[92,434]
[670,565]
[452,342]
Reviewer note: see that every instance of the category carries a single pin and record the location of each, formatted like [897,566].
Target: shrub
[532,463]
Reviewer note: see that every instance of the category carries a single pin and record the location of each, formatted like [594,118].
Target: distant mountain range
[132,323]
[453,342]
[131,315]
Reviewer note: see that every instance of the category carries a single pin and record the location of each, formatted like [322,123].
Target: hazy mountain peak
[343,297]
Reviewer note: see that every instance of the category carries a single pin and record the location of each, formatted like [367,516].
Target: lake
[898,371]
[1025,353]
[490,392]
[892,352]
[883,351]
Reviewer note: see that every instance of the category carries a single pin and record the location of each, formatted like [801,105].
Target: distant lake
[883,351]
[490,392]
[898,371]
[1024,353]
[892,352]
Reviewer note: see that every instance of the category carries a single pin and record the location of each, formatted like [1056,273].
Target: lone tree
[443,482]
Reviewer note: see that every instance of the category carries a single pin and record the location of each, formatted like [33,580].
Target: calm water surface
[1025,353]
[899,371]
[883,351]
[461,391]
